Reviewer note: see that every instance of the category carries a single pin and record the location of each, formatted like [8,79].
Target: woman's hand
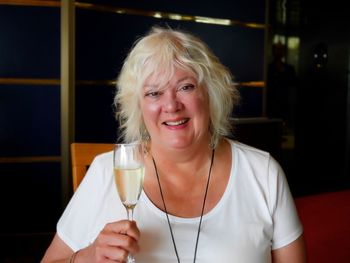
[113,244]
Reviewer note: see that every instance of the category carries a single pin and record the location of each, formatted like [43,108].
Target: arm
[286,220]
[58,251]
[113,243]
[294,252]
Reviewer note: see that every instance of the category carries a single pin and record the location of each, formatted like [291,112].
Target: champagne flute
[128,163]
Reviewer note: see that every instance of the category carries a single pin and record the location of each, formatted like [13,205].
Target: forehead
[162,77]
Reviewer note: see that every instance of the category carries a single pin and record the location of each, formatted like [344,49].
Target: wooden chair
[82,156]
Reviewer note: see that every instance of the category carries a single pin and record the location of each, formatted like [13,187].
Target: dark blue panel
[30,197]
[95,121]
[103,41]
[29,42]
[240,49]
[29,120]
[251,102]
[248,11]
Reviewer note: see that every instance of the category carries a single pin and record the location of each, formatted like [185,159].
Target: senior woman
[205,198]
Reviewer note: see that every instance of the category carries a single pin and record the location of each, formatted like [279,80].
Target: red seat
[326,221]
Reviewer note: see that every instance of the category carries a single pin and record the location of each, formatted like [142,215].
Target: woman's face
[176,114]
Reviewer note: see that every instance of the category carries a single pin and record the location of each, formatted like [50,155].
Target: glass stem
[130,213]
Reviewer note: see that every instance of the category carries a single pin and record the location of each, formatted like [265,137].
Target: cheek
[201,104]
[150,112]
[202,96]
[202,108]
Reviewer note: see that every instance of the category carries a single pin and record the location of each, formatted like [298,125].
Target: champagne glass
[128,163]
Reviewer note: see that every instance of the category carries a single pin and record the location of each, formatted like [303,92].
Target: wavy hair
[163,50]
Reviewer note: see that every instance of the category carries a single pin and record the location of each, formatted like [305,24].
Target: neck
[182,155]
[182,164]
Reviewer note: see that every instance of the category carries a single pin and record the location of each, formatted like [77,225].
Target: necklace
[201,217]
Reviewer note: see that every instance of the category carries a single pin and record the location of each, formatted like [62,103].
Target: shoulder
[253,160]
[249,153]
[100,170]
[104,158]
[102,162]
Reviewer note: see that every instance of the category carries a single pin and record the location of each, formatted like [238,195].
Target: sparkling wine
[129,185]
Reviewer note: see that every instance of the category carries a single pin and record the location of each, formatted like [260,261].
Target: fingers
[112,239]
[116,241]
[112,253]
[124,227]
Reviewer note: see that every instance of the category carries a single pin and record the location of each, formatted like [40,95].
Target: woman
[205,198]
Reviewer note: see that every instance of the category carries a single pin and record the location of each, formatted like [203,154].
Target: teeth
[174,123]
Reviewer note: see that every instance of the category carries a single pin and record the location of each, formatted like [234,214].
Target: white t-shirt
[255,215]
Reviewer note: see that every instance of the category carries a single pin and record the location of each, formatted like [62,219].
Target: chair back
[82,156]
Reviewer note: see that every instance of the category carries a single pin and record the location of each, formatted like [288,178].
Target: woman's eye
[152,94]
[187,87]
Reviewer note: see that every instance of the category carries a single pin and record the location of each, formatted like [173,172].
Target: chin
[176,144]
[182,145]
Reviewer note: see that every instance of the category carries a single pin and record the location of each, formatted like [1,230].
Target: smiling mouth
[176,123]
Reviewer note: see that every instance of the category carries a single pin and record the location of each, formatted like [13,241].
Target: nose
[171,101]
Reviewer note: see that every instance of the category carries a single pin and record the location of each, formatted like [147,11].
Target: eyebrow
[185,78]
[179,81]
[150,86]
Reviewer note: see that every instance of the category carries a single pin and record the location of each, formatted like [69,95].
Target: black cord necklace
[166,211]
